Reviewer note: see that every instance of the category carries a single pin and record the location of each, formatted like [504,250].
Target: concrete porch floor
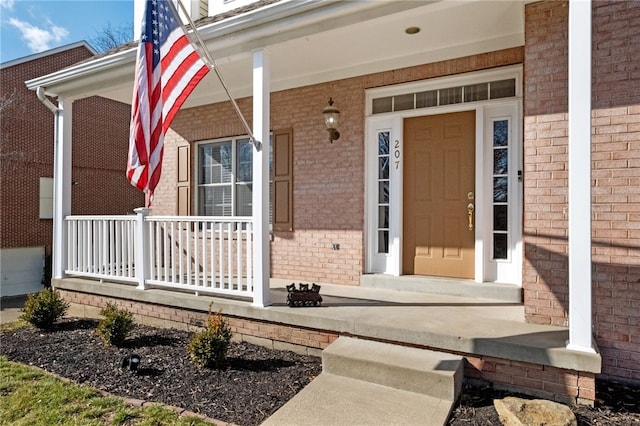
[451,323]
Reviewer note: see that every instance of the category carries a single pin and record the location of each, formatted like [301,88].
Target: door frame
[486,269]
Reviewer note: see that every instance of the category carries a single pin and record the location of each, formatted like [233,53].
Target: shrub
[115,326]
[44,308]
[209,347]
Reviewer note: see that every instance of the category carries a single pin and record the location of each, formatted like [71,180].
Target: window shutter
[283,180]
[184,184]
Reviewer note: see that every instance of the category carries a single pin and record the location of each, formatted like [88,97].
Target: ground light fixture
[331,115]
[131,362]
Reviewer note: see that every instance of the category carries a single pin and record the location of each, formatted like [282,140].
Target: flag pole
[208,59]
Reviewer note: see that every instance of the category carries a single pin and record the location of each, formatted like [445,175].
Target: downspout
[56,271]
[43,98]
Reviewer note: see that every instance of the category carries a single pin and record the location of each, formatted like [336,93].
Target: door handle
[470,209]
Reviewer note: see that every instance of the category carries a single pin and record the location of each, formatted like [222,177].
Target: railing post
[142,247]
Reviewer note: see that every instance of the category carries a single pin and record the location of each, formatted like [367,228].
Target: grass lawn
[31,397]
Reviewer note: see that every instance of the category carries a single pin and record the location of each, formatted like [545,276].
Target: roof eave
[239,34]
[74,80]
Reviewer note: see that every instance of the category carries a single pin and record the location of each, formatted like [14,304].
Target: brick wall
[275,335]
[616,193]
[100,140]
[100,149]
[615,176]
[543,381]
[328,198]
[545,163]
[26,150]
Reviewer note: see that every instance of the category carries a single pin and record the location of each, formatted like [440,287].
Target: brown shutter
[184,181]
[283,180]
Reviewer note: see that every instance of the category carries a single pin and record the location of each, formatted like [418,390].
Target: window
[217,181]
[447,96]
[500,188]
[46,198]
[383,192]
[225,178]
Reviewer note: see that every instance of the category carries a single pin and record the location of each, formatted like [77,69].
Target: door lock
[470,209]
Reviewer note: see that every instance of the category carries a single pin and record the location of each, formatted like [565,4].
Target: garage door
[21,270]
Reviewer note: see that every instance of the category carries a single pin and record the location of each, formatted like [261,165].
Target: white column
[61,184]
[261,258]
[580,334]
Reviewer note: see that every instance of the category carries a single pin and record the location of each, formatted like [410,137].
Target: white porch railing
[200,254]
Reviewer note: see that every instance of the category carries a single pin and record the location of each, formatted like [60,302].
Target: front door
[439,199]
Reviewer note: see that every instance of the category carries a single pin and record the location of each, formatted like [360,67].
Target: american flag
[168,68]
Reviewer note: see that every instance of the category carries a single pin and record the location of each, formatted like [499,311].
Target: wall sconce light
[331,115]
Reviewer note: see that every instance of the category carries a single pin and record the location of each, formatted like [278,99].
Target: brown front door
[439,185]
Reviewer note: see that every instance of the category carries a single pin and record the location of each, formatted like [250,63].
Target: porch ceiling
[314,41]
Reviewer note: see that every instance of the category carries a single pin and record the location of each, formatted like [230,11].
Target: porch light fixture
[331,120]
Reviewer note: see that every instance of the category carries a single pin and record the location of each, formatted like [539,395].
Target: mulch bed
[253,384]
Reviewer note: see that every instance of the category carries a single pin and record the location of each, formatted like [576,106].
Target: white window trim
[234,165]
[196,170]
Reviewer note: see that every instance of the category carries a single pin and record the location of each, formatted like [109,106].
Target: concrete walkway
[10,308]
[332,400]
[364,382]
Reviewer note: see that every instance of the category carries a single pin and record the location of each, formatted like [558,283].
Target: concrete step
[332,400]
[436,374]
[372,383]
[509,293]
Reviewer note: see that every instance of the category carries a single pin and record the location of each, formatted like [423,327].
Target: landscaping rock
[538,412]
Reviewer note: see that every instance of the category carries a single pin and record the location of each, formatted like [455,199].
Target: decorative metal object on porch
[304,296]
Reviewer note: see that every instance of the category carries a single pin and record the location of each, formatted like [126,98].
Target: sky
[33,26]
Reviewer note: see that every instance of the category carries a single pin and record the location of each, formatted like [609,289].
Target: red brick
[100,146]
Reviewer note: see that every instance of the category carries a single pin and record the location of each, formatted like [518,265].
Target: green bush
[44,308]
[115,326]
[209,347]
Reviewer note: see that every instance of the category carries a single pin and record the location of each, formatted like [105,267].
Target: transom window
[446,96]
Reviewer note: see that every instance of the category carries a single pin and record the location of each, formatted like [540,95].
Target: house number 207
[396,153]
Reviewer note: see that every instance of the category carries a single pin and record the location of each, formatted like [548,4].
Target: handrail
[176,252]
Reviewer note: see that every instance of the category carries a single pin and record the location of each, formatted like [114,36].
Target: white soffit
[448,29]
[331,48]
